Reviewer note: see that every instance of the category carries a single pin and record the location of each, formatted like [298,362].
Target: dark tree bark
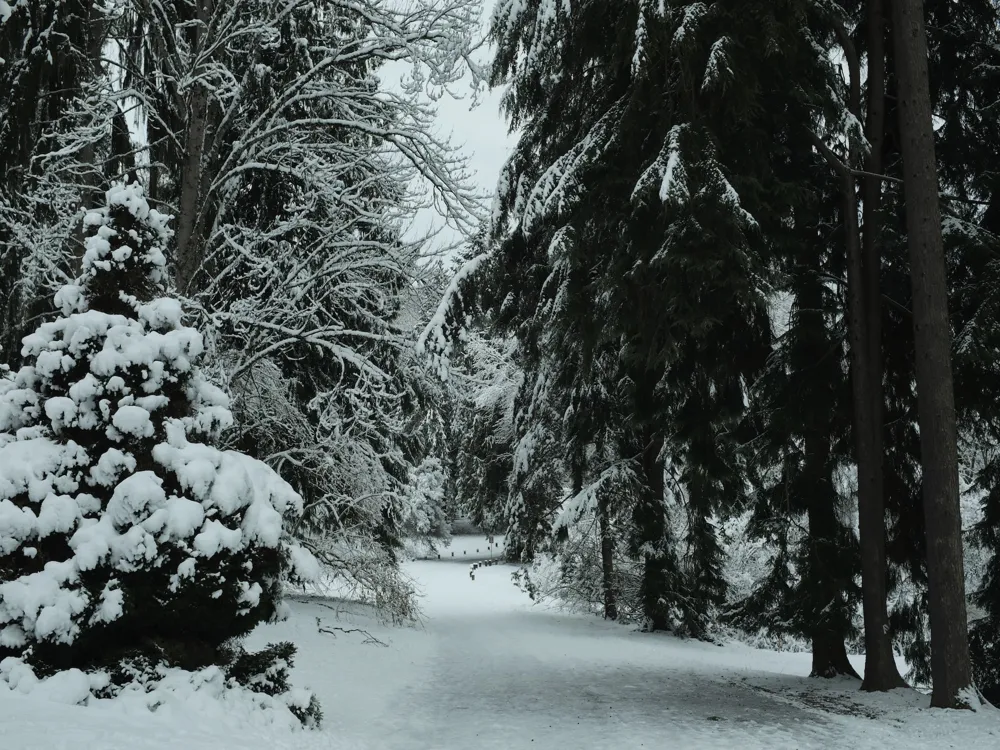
[577,472]
[649,538]
[650,520]
[951,669]
[828,636]
[120,163]
[192,178]
[829,656]
[872,205]
[607,556]
[863,306]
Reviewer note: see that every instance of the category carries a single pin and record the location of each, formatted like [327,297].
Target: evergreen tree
[640,175]
[951,668]
[959,49]
[802,413]
[125,534]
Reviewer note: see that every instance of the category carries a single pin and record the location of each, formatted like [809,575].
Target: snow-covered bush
[175,695]
[423,515]
[125,535]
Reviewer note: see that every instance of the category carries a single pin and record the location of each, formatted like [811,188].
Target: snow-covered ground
[487,670]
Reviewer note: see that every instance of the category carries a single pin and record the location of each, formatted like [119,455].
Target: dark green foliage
[804,415]
[640,214]
[266,671]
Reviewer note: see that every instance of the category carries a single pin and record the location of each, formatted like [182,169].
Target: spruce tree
[641,163]
[126,535]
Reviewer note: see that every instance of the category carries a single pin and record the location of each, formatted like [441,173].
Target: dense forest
[732,325]
[721,359]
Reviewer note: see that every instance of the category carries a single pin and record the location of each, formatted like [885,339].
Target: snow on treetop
[99,255]
[131,197]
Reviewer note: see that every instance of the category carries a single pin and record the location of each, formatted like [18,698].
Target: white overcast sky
[479,132]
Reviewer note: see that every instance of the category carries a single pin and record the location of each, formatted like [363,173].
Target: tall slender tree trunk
[951,669]
[192,178]
[607,555]
[871,258]
[651,519]
[90,181]
[863,298]
[577,471]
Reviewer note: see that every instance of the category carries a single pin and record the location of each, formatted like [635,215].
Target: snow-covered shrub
[176,695]
[569,572]
[350,501]
[125,535]
[266,672]
[423,515]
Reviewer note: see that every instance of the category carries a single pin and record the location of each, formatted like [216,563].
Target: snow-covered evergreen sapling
[126,537]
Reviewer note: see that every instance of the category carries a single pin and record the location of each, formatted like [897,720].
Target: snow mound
[177,694]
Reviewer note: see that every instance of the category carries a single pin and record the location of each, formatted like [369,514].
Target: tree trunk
[829,656]
[189,249]
[651,518]
[881,672]
[872,207]
[90,180]
[607,556]
[951,670]
[829,631]
[577,470]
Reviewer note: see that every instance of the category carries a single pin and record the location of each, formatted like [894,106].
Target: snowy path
[489,671]
[511,679]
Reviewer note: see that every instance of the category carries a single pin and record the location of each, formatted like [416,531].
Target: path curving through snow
[490,671]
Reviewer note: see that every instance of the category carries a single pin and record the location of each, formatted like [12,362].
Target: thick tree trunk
[829,656]
[951,670]
[117,166]
[607,556]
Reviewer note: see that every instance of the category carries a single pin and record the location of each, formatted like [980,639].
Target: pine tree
[962,39]
[640,171]
[959,41]
[126,535]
